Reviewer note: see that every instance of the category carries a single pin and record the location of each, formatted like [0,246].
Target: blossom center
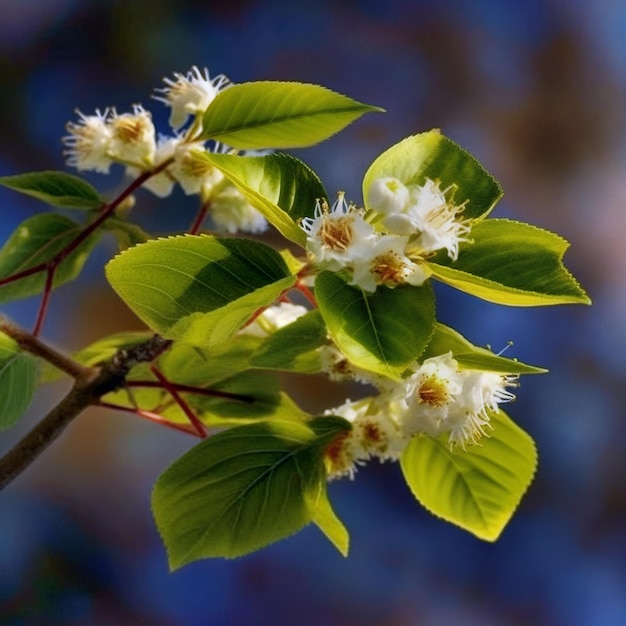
[336,232]
[433,391]
[389,268]
[129,129]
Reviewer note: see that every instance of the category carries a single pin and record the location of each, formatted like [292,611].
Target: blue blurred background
[536,89]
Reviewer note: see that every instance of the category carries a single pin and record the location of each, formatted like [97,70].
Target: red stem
[201,391]
[306,292]
[186,409]
[107,211]
[23,274]
[51,265]
[197,223]
[45,300]
[153,417]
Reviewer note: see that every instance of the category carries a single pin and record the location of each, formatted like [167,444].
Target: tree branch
[91,383]
[29,343]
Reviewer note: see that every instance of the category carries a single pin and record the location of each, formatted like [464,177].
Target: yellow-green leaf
[243,489]
[275,114]
[477,489]
[513,263]
[196,288]
[433,156]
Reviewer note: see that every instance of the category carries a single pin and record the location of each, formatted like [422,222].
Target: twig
[51,265]
[197,223]
[152,416]
[90,384]
[200,391]
[186,409]
[27,342]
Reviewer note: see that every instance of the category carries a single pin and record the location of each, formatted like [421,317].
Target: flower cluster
[388,244]
[437,398]
[98,141]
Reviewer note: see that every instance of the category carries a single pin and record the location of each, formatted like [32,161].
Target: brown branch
[16,460]
[90,384]
[27,342]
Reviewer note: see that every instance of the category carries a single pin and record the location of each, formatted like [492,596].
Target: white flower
[193,173]
[481,394]
[190,94]
[273,318]
[439,397]
[387,264]
[422,212]
[160,184]
[373,434]
[231,212]
[388,196]
[339,368]
[88,142]
[437,220]
[428,396]
[483,391]
[133,137]
[338,237]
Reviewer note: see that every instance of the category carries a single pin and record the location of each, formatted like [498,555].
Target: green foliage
[35,241]
[431,155]
[227,305]
[198,289]
[469,356]
[293,347]
[57,189]
[18,374]
[382,332]
[479,488]
[511,263]
[270,114]
[263,400]
[279,186]
[245,488]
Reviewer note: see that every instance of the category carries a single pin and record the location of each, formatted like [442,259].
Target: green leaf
[511,263]
[478,489]
[196,288]
[327,521]
[469,356]
[243,489]
[431,155]
[253,397]
[18,373]
[267,401]
[35,241]
[269,114]
[292,348]
[382,332]
[55,188]
[279,186]
[191,365]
